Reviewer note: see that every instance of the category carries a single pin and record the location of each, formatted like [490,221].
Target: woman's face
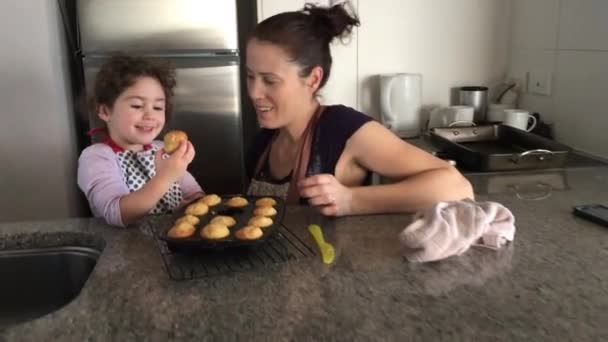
[275,86]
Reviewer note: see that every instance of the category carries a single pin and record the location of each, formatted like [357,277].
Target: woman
[325,155]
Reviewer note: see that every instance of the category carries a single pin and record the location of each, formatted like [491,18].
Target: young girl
[125,177]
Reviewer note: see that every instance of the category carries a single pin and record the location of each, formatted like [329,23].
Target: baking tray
[499,148]
[241,216]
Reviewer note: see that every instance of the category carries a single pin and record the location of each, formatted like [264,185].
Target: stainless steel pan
[499,148]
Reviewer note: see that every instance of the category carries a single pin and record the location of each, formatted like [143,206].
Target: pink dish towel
[451,228]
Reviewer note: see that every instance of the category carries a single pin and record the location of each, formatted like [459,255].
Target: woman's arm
[421,180]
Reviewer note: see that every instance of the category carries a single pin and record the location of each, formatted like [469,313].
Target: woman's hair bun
[332,22]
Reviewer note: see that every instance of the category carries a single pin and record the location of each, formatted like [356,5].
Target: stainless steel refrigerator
[201,38]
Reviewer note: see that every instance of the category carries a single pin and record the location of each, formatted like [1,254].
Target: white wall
[569,39]
[37,139]
[451,43]
[342,84]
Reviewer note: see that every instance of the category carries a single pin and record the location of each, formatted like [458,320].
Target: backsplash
[568,39]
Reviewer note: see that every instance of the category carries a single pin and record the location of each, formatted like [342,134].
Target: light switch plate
[539,82]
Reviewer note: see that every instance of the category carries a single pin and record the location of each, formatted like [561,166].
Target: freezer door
[157,25]
[207,107]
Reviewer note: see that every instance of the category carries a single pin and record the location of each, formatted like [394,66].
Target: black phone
[597,213]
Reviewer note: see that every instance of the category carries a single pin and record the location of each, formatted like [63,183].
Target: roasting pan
[499,148]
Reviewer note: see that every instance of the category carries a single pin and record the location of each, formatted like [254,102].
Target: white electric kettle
[400,103]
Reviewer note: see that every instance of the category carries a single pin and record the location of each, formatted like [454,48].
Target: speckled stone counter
[551,284]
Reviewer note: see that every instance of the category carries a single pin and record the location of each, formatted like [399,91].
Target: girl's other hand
[327,194]
[172,167]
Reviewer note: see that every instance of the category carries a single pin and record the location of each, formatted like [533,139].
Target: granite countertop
[550,284]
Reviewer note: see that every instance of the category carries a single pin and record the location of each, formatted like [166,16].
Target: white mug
[519,118]
[452,116]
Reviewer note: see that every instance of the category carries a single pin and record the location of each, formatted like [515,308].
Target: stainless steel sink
[35,282]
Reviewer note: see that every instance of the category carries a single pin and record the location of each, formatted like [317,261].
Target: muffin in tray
[214,231]
[224,221]
[237,202]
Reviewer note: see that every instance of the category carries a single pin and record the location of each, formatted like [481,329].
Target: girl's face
[138,114]
[275,86]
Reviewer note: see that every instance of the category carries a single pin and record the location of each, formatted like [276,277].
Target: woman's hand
[173,168]
[326,193]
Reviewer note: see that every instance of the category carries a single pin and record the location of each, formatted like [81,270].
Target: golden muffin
[237,202]
[214,231]
[265,202]
[210,200]
[260,221]
[197,209]
[225,220]
[173,139]
[181,230]
[265,211]
[191,219]
[249,233]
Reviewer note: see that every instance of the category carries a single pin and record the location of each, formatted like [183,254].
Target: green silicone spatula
[327,250]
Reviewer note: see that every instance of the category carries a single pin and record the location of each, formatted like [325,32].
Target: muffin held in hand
[225,220]
[260,221]
[214,231]
[211,200]
[265,211]
[265,202]
[237,202]
[181,230]
[197,209]
[249,233]
[173,139]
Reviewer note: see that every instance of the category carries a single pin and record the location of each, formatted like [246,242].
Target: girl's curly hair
[122,71]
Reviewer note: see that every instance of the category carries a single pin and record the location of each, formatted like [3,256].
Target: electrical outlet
[539,82]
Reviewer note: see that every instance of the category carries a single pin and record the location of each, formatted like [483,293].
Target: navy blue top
[336,125]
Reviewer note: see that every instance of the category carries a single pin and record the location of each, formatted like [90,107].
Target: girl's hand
[173,168]
[326,193]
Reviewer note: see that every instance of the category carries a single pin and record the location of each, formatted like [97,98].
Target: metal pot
[476,97]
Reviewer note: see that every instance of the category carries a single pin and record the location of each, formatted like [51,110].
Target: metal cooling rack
[284,246]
